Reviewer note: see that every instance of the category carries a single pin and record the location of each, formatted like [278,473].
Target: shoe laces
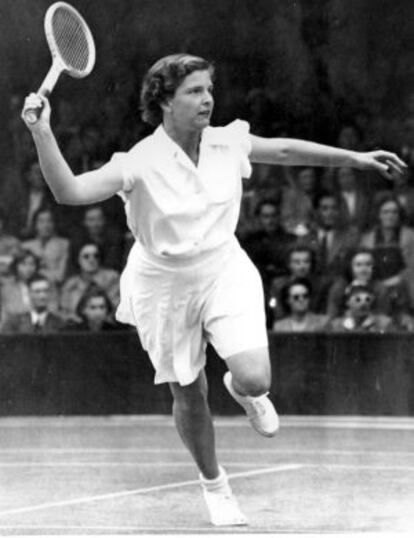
[257,406]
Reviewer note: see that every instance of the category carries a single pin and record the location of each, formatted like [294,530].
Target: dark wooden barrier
[73,374]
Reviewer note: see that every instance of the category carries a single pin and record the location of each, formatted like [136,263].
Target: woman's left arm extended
[294,152]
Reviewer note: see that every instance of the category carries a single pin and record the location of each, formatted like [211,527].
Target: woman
[52,250]
[358,271]
[301,264]
[90,273]
[187,282]
[94,311]
[296,298]
[14,293]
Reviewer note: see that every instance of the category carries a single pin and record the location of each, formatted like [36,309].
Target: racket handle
[31,115]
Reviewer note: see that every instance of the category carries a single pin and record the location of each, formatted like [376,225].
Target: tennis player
[187,281]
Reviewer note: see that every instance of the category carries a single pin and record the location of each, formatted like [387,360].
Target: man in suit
[330,242]
[40,319]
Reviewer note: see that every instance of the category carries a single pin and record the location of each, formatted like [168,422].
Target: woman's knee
[251,372]
[253,384]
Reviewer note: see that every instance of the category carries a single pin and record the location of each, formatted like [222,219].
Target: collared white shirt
[38,318]
[175,208]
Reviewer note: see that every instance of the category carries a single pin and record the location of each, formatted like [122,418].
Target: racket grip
[31,115]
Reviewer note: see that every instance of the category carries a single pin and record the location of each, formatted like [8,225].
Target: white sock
[215,484]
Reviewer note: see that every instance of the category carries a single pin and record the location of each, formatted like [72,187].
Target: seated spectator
[301,264]
[52,250]
[35,195]
[353,202]
[267,246]
[90,272]
[297,210]
[14,293]
[391,241]
[40,318]
[360,315]
[96,230]
[9,246]
[359,270]
[296,299]
[327,238]
[403,190]
[95,311]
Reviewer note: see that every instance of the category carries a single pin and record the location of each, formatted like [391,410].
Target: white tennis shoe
[223,507]
[259,410]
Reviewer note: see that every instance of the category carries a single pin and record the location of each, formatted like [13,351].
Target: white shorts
[179,305]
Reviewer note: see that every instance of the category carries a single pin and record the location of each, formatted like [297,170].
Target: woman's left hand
[386,163]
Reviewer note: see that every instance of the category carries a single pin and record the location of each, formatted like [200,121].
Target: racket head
[70,40]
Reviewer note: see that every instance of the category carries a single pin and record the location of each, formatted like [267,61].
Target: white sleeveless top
[177,209]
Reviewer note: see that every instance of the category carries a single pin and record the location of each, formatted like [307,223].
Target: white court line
[127,493]
[157,450]
[287,421]
[154,464]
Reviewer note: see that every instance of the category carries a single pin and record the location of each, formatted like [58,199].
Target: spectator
[34,196]
[353,202]
[14,293]
[90,272]
[96,230]
[298,197]
[359,315]
[301,264]
[9,246]
[40,318]
[329,240]
[52,250]
[403,190]
[392,242]
[268,245]
[95,311]
[359,270]
[296,299]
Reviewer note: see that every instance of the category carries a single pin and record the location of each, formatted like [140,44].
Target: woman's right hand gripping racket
[72,46]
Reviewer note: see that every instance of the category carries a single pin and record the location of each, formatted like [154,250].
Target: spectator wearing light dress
[51,249]
[9,246]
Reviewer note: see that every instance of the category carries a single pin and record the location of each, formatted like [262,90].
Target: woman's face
[298,299]
[26,268]
[192,104]
[389,215]
[300,264]
[45,225]
[95,310]
[362,266]
[89,259]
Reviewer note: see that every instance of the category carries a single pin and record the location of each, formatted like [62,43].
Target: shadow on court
[131,475]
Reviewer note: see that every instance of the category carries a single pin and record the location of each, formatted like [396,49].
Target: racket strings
[71,40]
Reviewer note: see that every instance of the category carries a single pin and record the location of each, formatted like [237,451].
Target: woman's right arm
[67,188]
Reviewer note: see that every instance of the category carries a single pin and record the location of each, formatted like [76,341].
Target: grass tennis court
[131,475]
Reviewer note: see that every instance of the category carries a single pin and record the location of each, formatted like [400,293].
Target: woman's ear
[166,106]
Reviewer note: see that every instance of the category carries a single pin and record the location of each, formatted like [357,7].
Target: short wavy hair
[163,78]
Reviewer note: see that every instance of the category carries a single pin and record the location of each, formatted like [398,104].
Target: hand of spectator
[386,163]
[41,104]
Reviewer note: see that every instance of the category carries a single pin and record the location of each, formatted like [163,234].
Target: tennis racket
[71,45]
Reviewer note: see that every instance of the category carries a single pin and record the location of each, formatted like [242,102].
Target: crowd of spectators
[334,247]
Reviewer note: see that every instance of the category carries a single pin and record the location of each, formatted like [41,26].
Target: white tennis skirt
[179,305]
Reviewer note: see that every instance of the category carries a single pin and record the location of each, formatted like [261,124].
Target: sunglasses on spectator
[363,299]
[90,255]
[299,296]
